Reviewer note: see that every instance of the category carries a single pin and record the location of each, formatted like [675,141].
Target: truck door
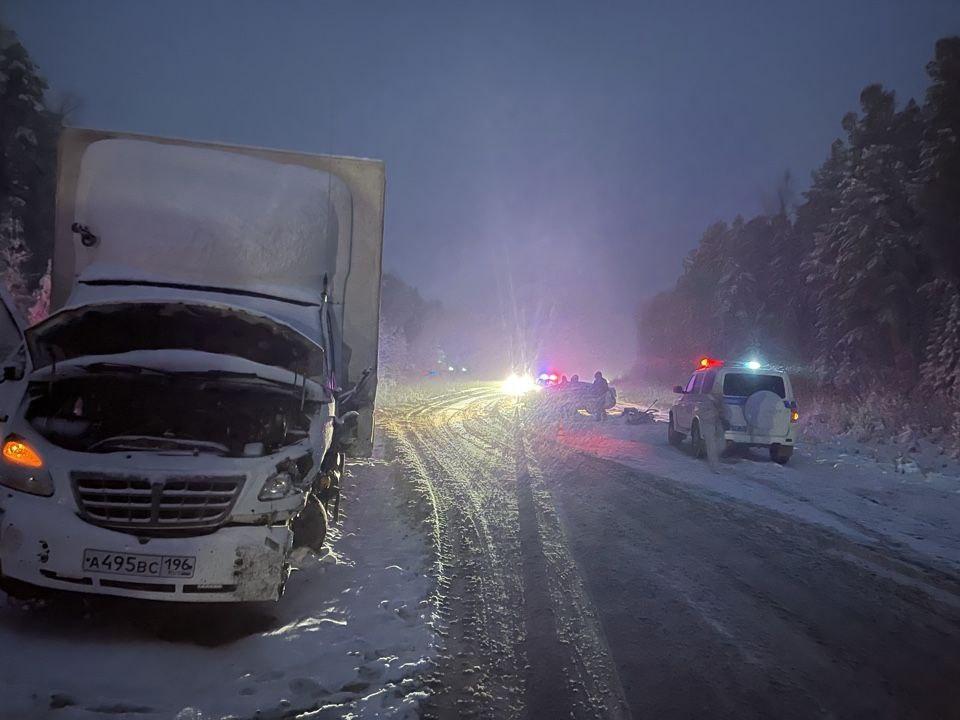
[683,412]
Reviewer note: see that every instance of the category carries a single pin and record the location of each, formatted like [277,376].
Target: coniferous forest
[857,287]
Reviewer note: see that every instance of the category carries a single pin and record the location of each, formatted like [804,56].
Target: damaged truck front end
[170,432]
[138,465]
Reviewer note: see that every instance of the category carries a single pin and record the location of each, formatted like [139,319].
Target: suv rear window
[746,384]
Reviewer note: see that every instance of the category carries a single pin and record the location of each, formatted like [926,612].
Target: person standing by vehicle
[601,389]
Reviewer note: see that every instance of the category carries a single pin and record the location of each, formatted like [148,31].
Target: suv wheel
[780,454]
[673,437]
[699,446]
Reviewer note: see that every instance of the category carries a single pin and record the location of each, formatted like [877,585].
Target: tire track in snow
[502,550]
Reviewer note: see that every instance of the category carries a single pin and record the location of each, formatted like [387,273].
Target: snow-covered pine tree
[938,197]
[864,265]
[13,259]
[941,365]
[21,115]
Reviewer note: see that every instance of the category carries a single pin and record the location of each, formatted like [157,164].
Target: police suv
[755,402]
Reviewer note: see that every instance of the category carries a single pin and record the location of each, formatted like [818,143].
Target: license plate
[162,566]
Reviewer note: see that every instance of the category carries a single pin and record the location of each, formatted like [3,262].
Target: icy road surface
[591,570]
[351,636]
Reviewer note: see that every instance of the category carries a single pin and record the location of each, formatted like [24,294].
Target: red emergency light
[709,362]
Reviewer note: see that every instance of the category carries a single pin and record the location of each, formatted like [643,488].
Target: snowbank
[906,495]
[352,635]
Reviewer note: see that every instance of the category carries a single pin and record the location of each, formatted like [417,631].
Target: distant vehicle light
[463,369]
[544,376]
[517,385]
[450,368]
[753,365]
[19,453]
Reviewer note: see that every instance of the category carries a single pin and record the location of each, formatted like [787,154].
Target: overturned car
[179,423]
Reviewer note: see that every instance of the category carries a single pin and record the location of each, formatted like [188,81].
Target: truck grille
[183,502]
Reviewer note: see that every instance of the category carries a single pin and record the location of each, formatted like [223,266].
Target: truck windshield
[746,384]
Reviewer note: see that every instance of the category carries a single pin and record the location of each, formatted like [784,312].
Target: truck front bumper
[44,543]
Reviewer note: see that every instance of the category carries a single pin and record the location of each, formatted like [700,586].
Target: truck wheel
[673,437]
[699,446]
[780,454]
[310,526]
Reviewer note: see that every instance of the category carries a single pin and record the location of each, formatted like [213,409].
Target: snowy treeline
[860,282]
[408,342]
[28,138]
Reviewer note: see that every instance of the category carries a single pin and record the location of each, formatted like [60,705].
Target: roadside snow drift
[908,496]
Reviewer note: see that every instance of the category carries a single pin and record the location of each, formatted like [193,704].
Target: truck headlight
[23,470]
[276,487]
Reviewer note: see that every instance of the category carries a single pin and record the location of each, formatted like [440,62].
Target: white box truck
[178,423]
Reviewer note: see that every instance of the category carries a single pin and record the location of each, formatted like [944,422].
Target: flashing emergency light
[708,362]
[19,453]
[753,365]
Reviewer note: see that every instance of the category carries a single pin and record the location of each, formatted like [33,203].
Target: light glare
[518,385]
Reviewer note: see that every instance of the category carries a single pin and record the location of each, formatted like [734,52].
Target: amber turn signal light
[19,453]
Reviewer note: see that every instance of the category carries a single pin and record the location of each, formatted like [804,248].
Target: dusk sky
[572,151]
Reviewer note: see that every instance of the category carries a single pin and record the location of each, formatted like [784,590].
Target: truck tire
[780,454]
[673,437]
[310,526]
[699,446]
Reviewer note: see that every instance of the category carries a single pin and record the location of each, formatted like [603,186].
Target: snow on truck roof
[168,213]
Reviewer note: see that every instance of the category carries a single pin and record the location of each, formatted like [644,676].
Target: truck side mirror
[678,389]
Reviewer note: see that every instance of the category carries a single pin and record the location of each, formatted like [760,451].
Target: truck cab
[756,404]
[179,422]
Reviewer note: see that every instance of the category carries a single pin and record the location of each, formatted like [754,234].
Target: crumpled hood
[116,328]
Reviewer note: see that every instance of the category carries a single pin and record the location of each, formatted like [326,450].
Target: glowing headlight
[22,469]
[276,487]
[518,385]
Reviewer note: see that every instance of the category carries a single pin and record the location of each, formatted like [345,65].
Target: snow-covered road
[512,563]
[352,634]
[591,570]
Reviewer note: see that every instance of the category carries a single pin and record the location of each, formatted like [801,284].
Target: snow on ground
[902,495]
[351,636]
